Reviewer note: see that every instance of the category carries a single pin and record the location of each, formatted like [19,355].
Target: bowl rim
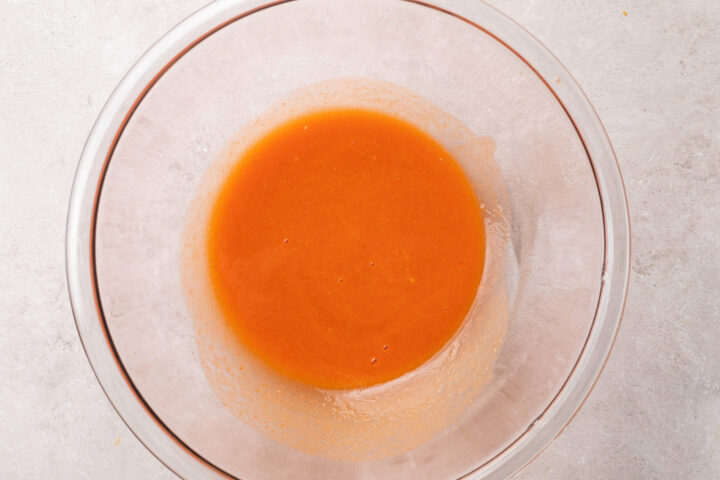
[108,128]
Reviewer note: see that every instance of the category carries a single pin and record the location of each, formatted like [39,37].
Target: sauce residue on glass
[345,248]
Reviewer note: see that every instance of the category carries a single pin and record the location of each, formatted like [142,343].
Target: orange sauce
[345,248]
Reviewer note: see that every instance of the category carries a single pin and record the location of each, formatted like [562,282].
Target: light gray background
[654,77]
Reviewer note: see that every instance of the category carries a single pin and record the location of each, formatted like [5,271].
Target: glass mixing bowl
[565,223]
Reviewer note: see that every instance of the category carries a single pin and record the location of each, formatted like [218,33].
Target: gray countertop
[652,70]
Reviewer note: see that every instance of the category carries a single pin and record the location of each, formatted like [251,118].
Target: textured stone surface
[654,77]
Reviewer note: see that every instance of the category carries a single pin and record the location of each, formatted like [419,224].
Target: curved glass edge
[160,56]
[79,233]
[616,268]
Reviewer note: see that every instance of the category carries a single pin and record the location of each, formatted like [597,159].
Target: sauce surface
[345,248]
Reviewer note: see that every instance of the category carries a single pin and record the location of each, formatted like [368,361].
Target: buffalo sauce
[345,248]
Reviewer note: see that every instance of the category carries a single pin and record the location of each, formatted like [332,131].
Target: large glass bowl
[567,256]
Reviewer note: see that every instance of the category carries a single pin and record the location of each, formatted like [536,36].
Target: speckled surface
[654,78]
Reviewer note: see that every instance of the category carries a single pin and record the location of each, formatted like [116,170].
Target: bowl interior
[549,220]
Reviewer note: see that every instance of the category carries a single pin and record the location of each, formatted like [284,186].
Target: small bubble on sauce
[372,264]
[373,360]
[340,279]
[385,347]
[285,240]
